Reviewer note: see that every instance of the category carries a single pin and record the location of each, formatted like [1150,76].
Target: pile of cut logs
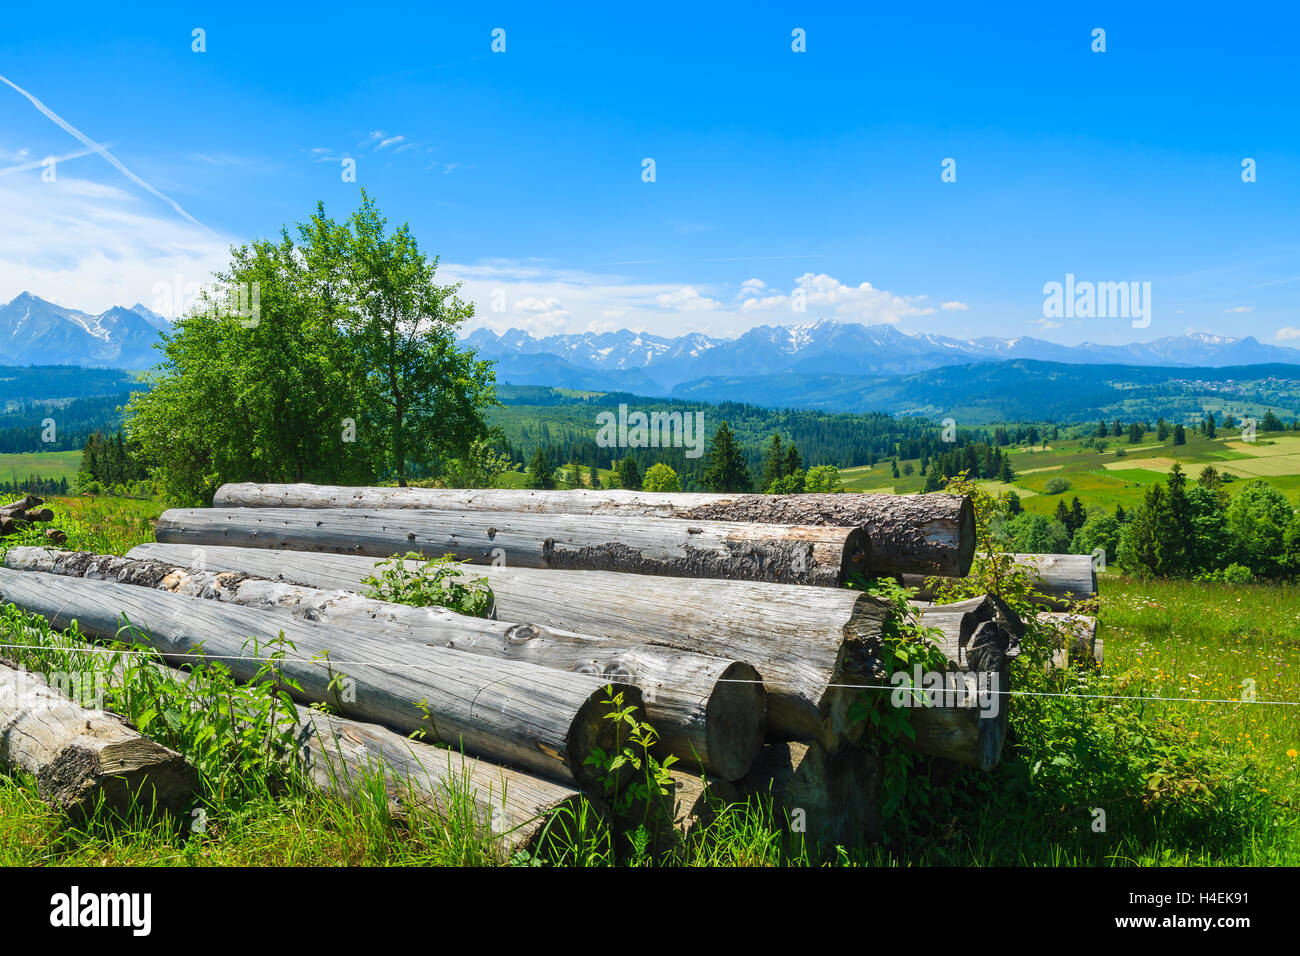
[720,618]
[20,514]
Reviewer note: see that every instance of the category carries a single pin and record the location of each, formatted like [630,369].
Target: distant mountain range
[652,364]
[36,332]
[835,366]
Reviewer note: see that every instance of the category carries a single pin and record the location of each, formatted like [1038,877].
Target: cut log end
[967,537]
[736,721]
[594,728]
[131,774]
[856,556]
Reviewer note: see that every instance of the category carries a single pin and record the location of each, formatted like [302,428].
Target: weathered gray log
[548,721]
[698,800]
[516,811]
[921,534]
[81,756]
[790,554]
[21,505]
[1062,579]
[962,715]
[959,620]
[813,647]
[828,798]
[710,712]
[805,642]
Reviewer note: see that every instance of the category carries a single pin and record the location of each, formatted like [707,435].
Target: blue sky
[775,170]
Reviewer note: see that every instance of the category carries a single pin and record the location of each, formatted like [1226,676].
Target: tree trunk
[707,549]
[80,756]
[965,719]
[548,721]
[803,641]
[912,534]
[710,712]
[518,811]
[1063,579]
[812,646]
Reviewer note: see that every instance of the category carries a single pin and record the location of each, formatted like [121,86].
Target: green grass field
[44,464]
[1106,479]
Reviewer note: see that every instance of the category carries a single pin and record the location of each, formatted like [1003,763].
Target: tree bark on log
[81,756]
[909,534]
[547,721]
[803,641]
[811,646]
[1063,579]
[710,712]
[787,554]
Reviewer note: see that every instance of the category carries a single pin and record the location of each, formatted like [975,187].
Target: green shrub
[433,583]
[1056,486]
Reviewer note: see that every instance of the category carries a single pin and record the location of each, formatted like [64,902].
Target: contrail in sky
[41,162]
[95,147]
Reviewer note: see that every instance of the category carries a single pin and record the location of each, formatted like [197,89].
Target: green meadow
[1117,475]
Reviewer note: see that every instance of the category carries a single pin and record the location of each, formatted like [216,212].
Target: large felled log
[704,549]
[1061,579]
[82,756]
[921,534]
[812,646]
[805,642]
[515,810]
[826,798]
[961,714]
[547,721]
[710,712]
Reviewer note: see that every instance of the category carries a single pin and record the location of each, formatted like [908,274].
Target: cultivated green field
[1106,479]
[44,464]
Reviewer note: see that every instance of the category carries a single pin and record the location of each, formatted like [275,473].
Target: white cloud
[1239,308]
[91,246]
[825,296]
[548,304]
[600,302]
[687,299]
[1046,324]
[954,306]
[1286,333]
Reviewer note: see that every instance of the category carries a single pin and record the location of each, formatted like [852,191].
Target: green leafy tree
[660,477]
[1035,534]
[822,479]
[481,464]
[1180,435]
[264,398]
[1258,518]
[1099,531]
[418,390]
